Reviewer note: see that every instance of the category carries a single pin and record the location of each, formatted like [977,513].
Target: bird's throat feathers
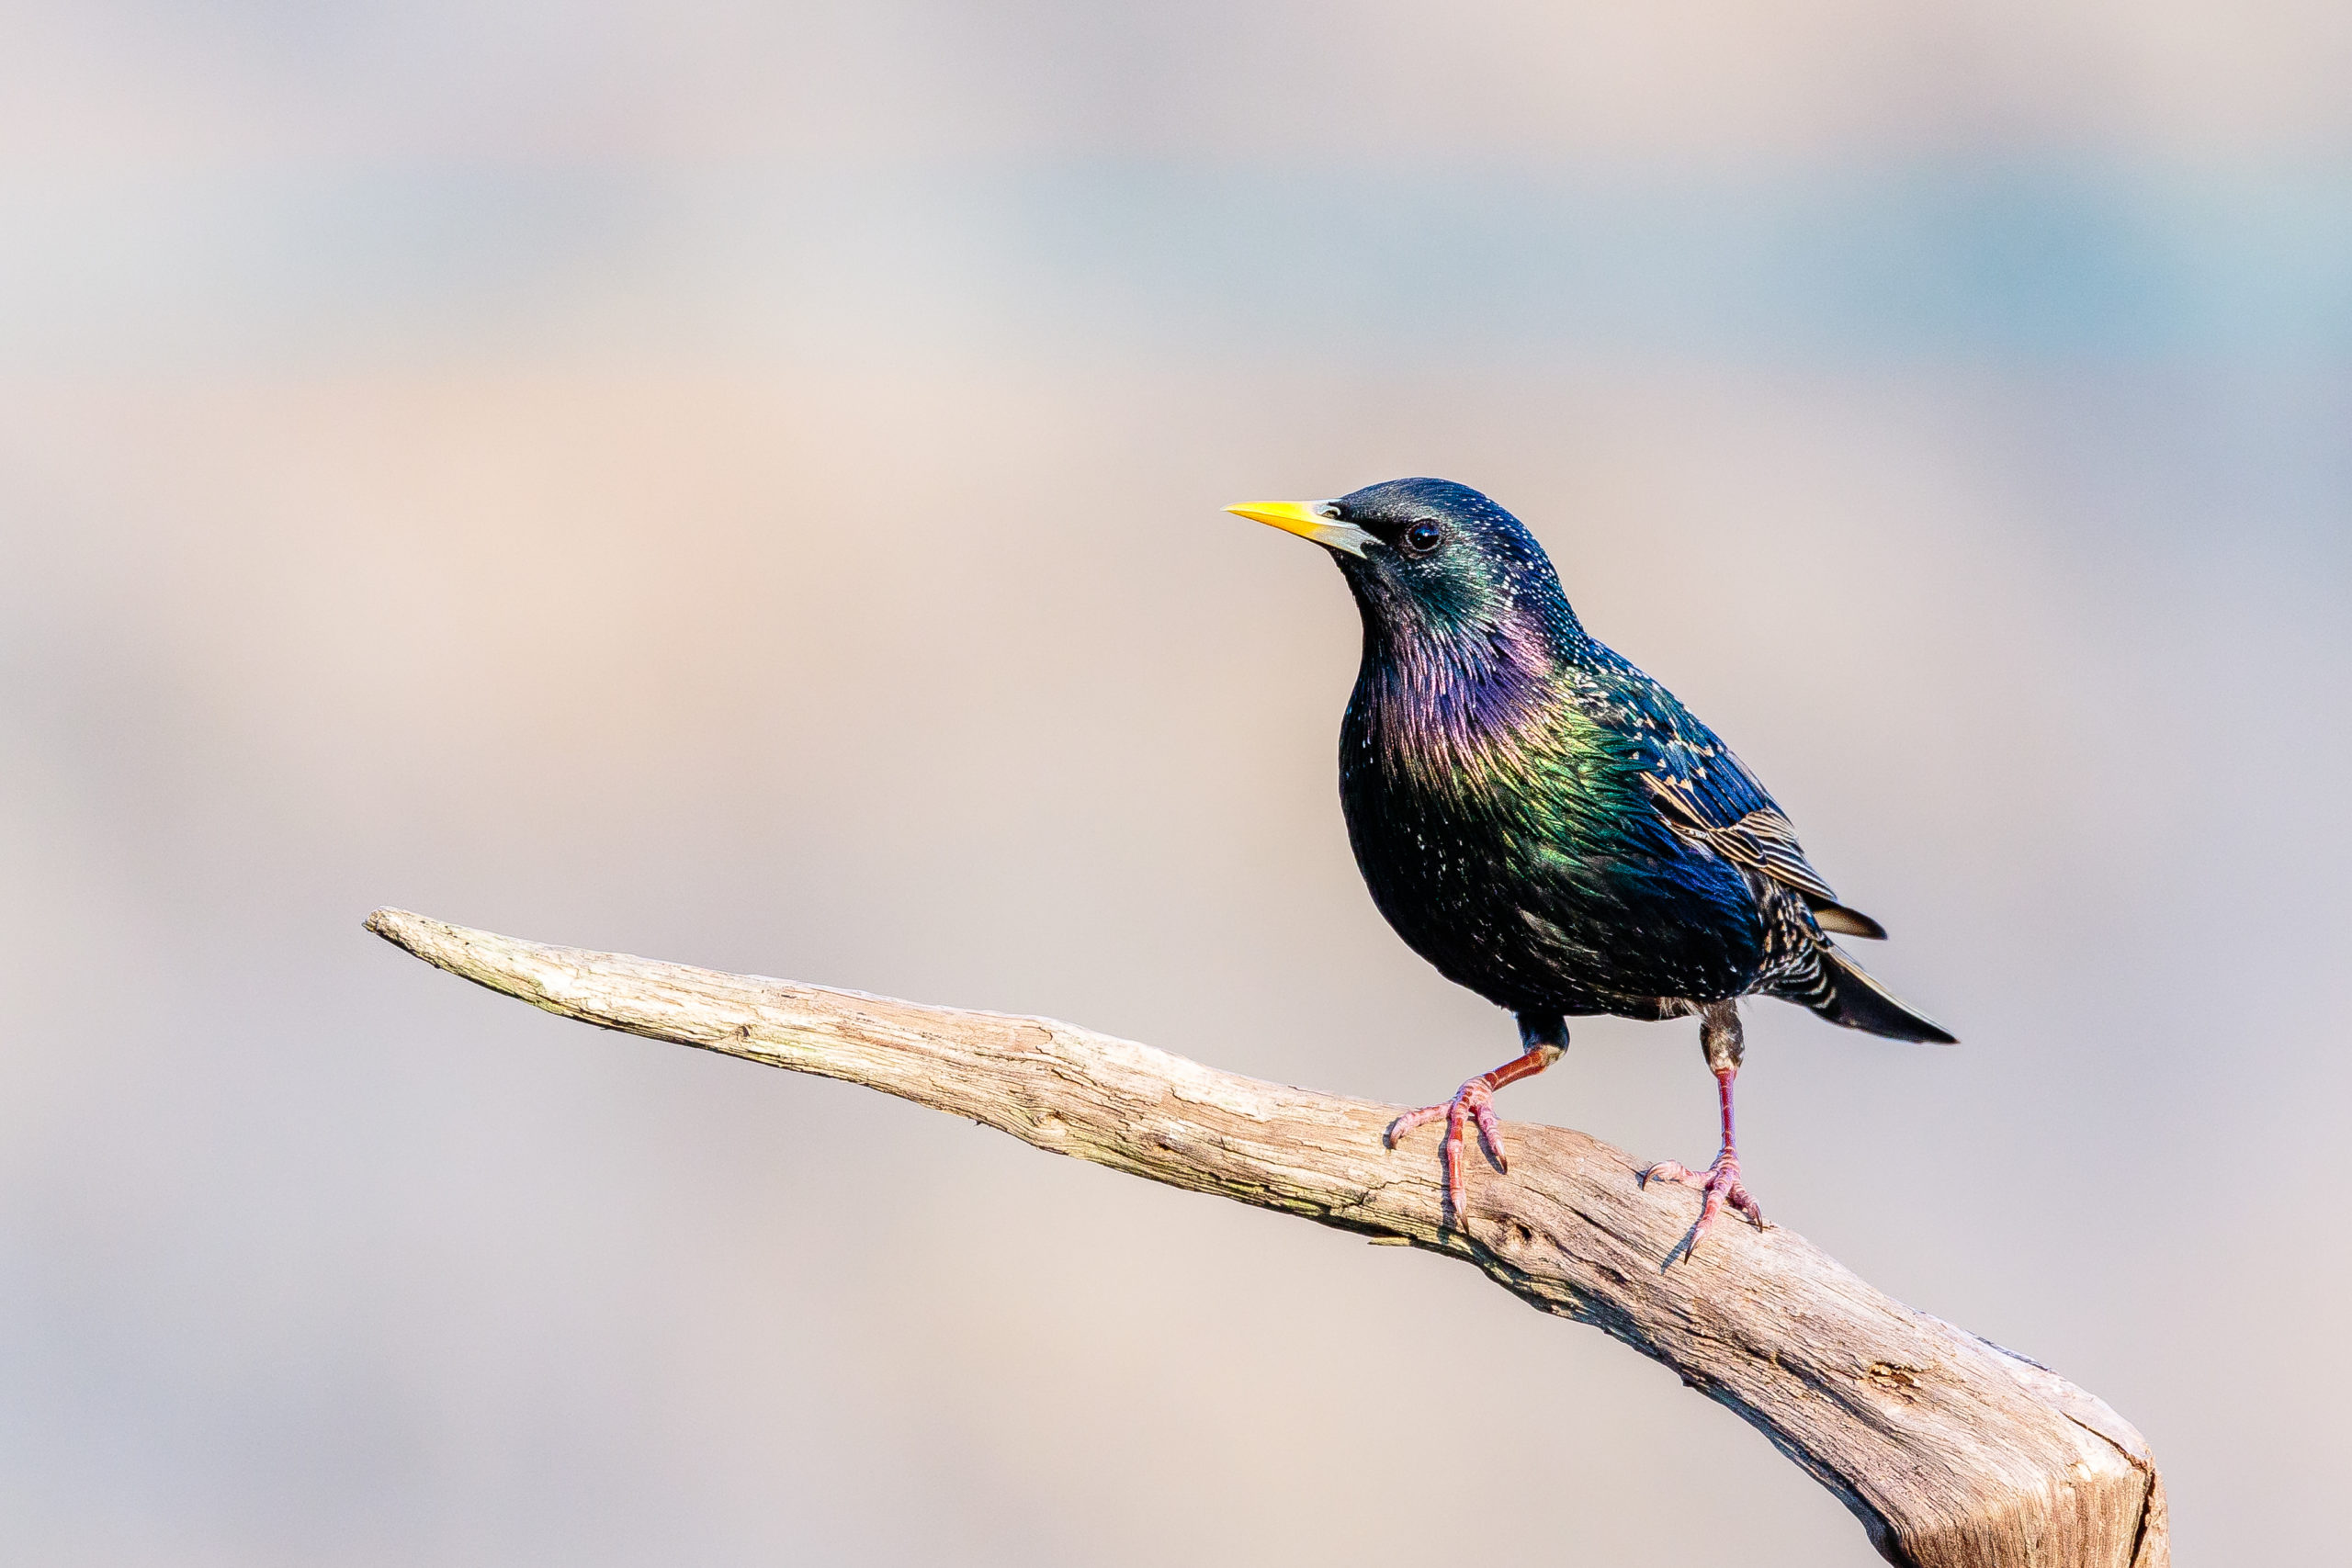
[1453,704]
[1470,649]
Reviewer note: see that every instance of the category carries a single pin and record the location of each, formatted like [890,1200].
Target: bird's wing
[1762,841]
[1707,797]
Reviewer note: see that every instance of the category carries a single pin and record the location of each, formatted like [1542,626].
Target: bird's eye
[1423,537]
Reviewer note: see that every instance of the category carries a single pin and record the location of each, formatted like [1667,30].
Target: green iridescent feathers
[1545,822]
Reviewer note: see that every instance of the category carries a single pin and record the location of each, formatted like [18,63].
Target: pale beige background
[740,484]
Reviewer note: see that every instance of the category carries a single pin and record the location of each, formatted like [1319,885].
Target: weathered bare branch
[1951,1451]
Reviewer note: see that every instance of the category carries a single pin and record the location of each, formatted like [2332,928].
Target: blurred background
[740,483]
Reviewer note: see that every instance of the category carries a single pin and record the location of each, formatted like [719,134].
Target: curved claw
[1472,1101]
[1475,1100]
[1719,1184]
[1410,1120]
[1491,1128]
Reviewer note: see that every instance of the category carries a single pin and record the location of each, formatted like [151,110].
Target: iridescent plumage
[1545,823]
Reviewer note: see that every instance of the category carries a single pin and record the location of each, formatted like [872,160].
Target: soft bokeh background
[739,483]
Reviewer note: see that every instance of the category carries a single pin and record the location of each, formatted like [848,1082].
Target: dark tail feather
[1849,997]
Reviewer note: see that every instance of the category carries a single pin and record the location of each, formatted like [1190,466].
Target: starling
[1550,826]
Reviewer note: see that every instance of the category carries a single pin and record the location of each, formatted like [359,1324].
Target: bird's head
[1427,558]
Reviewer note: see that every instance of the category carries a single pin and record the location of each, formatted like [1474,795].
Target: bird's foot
[1721,1184]
[1474,1101]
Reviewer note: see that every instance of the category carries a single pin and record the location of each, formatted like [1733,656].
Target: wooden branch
[1950,1451]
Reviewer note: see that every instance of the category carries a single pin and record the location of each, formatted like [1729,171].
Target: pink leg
[1474,1101]
[1720,1182]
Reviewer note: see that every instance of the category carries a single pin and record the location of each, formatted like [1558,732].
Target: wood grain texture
[1952,1452]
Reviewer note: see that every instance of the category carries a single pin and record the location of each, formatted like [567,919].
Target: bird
[1552,829]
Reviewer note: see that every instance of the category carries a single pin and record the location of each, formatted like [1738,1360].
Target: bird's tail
[1846,994]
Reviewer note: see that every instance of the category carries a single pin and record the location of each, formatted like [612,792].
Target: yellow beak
[1308,520]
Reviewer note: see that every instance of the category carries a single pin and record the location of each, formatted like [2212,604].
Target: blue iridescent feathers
[1545,823]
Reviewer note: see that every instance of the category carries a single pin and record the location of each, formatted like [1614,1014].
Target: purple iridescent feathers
[1545,823]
